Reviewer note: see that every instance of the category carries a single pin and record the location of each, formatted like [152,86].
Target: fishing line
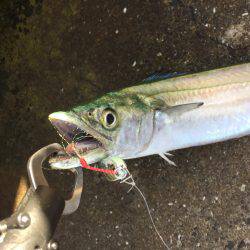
[133,185]
[128,179]
[86,166]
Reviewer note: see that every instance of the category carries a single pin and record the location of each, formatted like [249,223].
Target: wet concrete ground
[57,54]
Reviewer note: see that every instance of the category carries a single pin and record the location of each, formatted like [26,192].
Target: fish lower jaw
[66,161]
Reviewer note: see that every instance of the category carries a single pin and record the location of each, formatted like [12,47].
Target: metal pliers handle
[37,177]
[33,224]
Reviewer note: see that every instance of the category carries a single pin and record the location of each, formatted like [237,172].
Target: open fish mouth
[72,130]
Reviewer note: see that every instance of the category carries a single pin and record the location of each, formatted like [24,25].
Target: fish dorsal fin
[161,76]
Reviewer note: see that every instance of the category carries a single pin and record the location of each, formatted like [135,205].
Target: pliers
[33,223]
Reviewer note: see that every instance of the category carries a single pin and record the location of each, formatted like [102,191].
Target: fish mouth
[80,138]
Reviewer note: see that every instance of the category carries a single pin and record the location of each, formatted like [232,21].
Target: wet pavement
[57,54]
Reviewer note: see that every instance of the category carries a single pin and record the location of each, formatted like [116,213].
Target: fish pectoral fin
[181,109]
[160,105]
[163,155]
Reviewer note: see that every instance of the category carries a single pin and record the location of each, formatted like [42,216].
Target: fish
[159,115]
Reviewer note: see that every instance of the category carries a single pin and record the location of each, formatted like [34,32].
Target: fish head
[121,124]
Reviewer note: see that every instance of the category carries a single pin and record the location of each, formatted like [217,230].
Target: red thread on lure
[85,165]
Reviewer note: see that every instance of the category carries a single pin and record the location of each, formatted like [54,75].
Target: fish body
[225,113]
[161,116]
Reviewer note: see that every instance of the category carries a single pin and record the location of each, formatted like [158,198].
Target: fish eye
[109,118]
